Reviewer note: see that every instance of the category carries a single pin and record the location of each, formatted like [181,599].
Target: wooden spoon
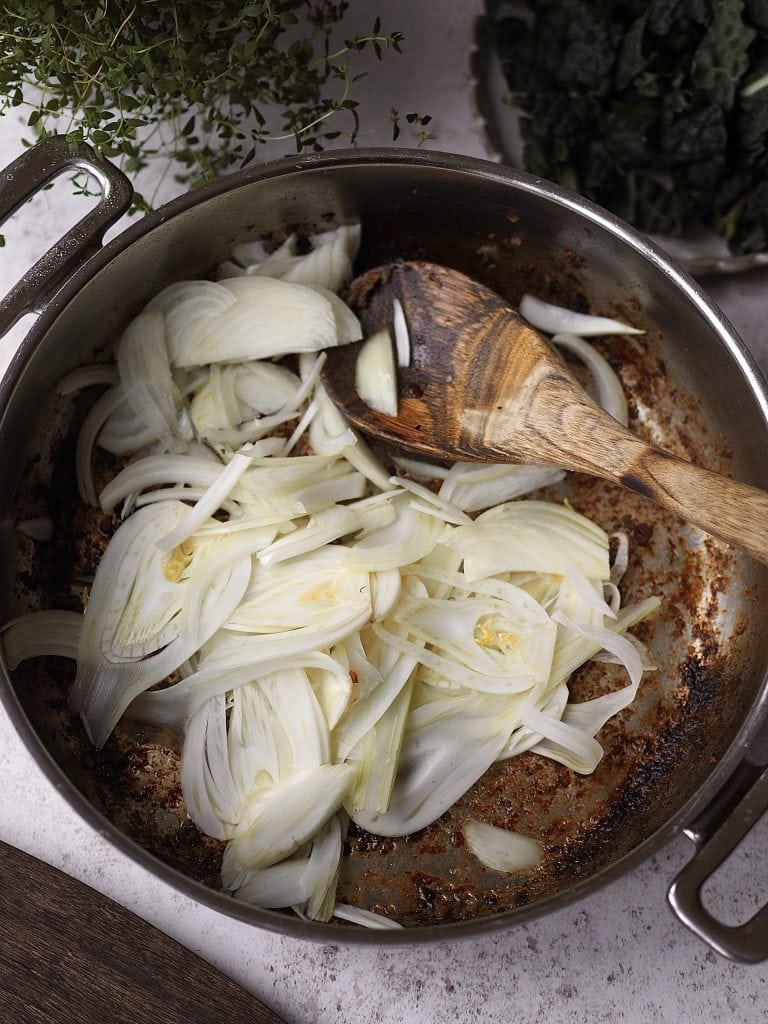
[73,956]
[484,386]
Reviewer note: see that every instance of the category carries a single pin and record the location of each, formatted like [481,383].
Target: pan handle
[27,175]
[717,832]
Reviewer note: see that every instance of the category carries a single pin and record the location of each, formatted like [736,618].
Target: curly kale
[657,111]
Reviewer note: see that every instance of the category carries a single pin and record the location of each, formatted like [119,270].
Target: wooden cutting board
[69,955]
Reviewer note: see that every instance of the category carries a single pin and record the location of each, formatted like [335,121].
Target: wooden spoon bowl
[483,385]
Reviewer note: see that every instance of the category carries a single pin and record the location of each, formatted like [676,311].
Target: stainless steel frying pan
[675,760]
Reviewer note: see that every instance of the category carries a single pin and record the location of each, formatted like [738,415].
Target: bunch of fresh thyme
[200,83]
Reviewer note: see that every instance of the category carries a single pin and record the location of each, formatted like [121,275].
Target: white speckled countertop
[617,956]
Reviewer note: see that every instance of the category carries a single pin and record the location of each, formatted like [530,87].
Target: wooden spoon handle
[726,508]
[561,425]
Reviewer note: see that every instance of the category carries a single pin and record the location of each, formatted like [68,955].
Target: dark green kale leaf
[656,110]
[757,13]
[750,127]
[748,228]
[632,59]
[667,17]
[694,136]
[721,58]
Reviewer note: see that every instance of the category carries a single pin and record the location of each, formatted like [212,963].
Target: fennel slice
[500,849]
[376,374]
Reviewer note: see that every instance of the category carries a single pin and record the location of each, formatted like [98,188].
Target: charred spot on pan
[105,772]
[426,894]
[498,797]
[44,684]
[559,283]
[81,533]
[611,832]
[702,682]
[189,851]
[640,804]
[640,532]
[444,901]
[436,844]
[488,256]
[146,802]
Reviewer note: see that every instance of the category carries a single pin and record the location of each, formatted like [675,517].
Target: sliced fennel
[500,849]
[610,393]
[447,745]
[284,817]
[147,382]
[366,918]
[553,319]
[341,643]
[320,876]
[266,318]
[38,634]
[376,374]
[537,536]
[328,264]
[402,335]
[280,885]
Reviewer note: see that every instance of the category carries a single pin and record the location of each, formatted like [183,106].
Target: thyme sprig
[202,84]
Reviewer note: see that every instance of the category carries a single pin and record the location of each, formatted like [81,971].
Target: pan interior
[686,391]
